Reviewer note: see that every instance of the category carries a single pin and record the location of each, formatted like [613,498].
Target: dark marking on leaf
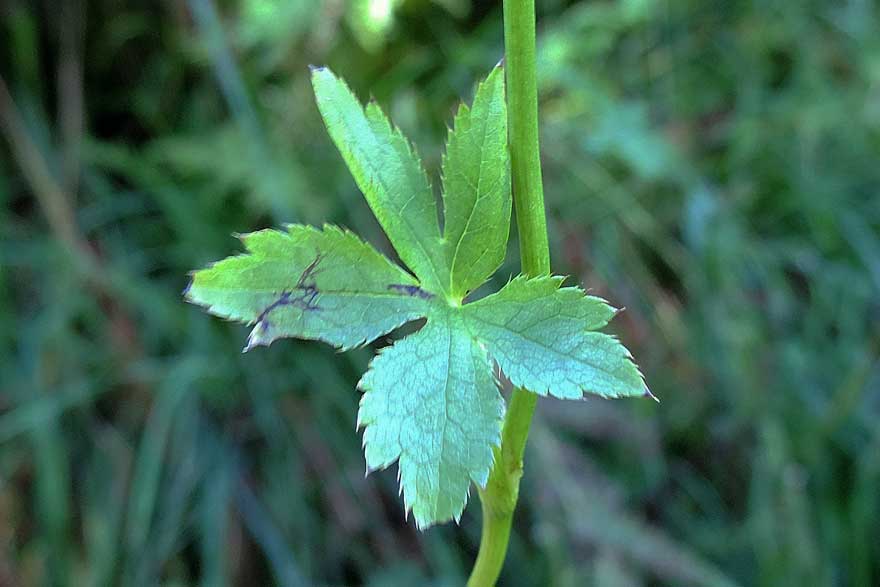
[307,279]
[283,300]
[411,290]
[303,296]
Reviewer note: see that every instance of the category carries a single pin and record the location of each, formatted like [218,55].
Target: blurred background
[713,166]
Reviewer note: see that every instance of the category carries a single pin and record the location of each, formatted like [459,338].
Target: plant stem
[525,157]
[502,490]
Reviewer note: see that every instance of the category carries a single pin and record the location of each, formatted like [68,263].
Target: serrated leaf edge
[408,505]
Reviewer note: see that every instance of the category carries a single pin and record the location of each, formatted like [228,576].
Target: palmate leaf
[430,401]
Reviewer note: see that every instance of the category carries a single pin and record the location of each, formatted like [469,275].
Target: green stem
[502,490]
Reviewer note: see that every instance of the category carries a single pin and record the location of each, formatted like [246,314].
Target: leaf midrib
[479,196]
[355,146]
[348,293]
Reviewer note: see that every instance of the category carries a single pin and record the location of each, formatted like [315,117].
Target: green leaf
[324,285]
[390,176]
[432,403]
[476,188]
[541,336]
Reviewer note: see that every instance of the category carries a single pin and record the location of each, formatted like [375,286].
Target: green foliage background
[712,166]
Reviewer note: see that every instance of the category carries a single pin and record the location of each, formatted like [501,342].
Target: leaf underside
[540,335]
[430,401]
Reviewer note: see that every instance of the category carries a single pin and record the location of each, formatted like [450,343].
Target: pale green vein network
[543,338]
[431,403]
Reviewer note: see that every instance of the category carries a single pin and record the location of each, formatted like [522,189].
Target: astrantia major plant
[431,400]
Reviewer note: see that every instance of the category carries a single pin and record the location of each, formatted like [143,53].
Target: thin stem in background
[48,192]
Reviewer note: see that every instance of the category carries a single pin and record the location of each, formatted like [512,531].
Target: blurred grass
[711,166]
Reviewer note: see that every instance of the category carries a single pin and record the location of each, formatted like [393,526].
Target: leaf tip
[254,339]
[650,395]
